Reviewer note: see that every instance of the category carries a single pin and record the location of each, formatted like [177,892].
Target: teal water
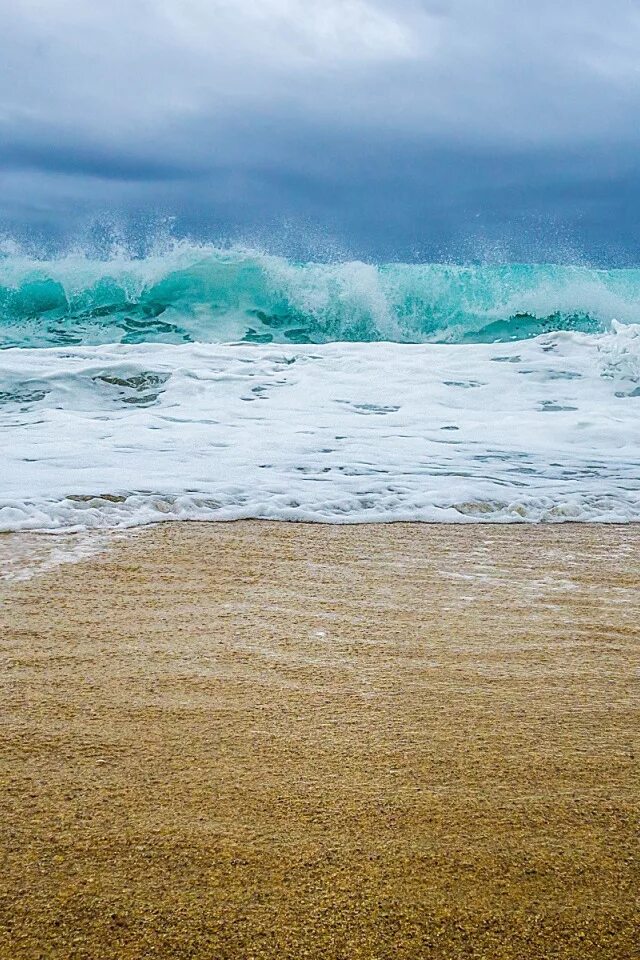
[207,384]
[203,294]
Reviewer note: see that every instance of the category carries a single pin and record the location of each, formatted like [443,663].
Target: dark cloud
[88,160]
[392,126]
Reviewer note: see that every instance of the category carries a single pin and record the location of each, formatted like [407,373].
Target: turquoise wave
[196,293]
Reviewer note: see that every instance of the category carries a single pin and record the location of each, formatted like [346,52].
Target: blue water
[200,383]
[194,293]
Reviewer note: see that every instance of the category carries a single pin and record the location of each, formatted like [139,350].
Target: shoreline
[274,739]
[28,553]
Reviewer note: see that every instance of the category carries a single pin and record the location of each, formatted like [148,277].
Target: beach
[283,740]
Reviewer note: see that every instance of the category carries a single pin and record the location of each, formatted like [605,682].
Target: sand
[288,741]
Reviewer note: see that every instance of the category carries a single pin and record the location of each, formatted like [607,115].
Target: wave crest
[201,293]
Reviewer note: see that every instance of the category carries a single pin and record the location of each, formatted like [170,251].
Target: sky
[415,129]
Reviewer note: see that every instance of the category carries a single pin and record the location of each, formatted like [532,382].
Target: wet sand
[286,741]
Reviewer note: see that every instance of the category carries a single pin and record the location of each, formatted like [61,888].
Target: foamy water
[116,434]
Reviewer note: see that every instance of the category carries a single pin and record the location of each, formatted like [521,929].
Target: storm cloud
[394,125]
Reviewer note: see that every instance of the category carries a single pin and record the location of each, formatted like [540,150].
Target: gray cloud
[280,107]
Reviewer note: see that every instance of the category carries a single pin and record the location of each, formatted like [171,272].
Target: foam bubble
[116,435]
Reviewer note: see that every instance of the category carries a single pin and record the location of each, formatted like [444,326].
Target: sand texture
[263,740]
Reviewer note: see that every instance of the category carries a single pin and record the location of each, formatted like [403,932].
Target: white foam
[34,554]
[546,429]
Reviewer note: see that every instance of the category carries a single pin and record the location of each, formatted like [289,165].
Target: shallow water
[114,428]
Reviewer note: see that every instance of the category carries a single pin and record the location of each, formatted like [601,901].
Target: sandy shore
[288,741]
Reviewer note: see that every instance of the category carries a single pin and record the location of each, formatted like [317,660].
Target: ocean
[218,384]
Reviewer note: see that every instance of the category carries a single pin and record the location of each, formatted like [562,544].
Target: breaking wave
[207,383]
[201,293]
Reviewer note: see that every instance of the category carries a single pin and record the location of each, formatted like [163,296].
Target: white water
[544,429]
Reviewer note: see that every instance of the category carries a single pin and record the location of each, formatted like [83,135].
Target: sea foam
[114,435]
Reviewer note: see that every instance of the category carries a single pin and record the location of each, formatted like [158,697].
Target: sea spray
[192,293]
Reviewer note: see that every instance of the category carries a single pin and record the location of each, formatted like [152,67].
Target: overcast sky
[382,127]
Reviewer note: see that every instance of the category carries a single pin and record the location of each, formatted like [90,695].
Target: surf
[539,430]
[195,293]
